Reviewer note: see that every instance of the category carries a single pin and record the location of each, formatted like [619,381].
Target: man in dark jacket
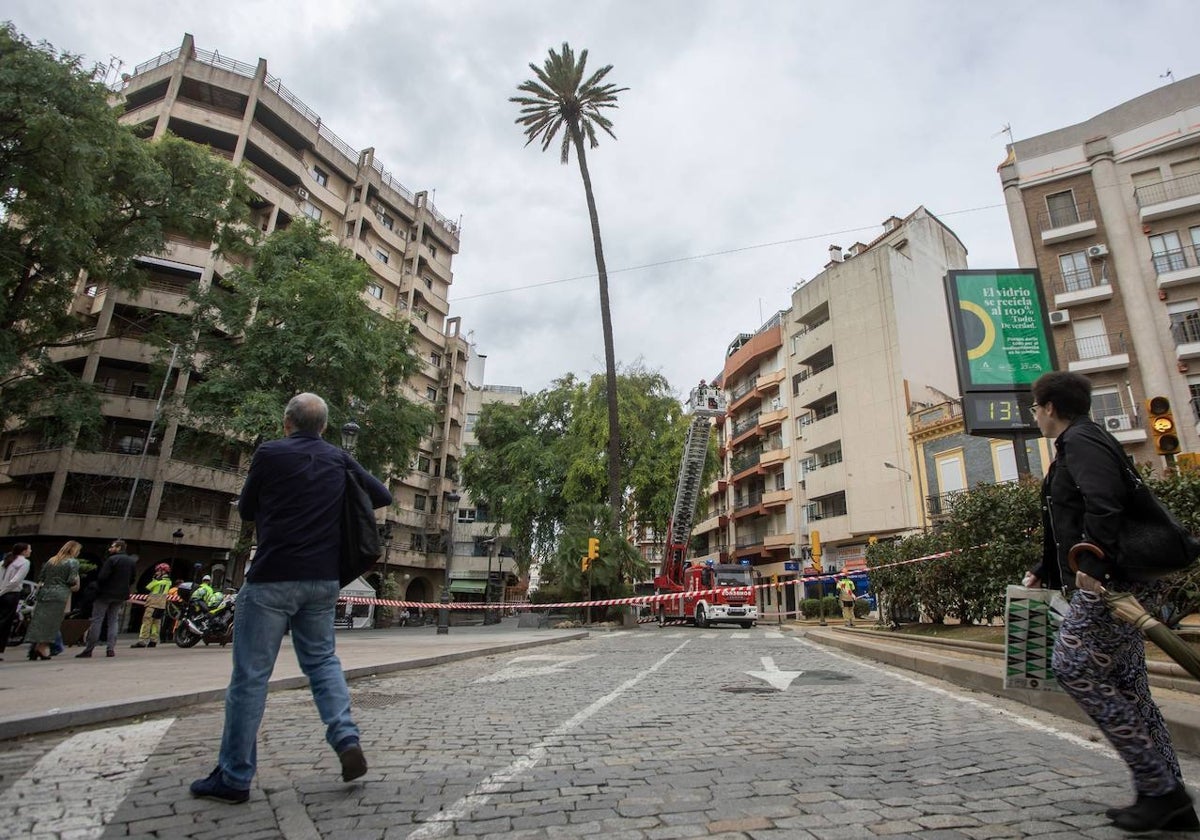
[117,575]
[293,494]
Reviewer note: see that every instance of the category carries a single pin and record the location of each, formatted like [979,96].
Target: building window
[428,283]
[1168,253]
[431,393]
[1195,234]
[1062,209]
[1185,321]
[1076,271]
[320,176]
[1091,341]
[9,446]
[311,210]
[423,464]
[382,255]
[385,220]
[1106,403]
[466,514]
[432,250]
[472,419]
[419,501]
[435,359]
[375,291]
[141,390]
[423,314]
[1194,391]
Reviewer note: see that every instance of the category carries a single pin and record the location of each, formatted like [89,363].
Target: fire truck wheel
[701,621]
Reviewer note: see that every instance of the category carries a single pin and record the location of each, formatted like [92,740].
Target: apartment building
[1109,211]
[816,439]
[168,489]
[483,567]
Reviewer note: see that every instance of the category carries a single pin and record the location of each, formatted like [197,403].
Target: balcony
[812,338]
[776,455]
[1168,198]
[706,525]
[1185,331]
[1177,267]
[1096,353]
[774,542]
[775,498]
[770,419]
[768,380]
[1067,223]
[1082,286]
[826,480]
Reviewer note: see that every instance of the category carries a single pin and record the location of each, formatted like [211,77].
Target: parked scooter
[202,623]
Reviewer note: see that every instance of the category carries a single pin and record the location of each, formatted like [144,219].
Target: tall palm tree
[560,98]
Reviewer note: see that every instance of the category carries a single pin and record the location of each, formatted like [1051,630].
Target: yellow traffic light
[1162,426]
[585,564]
[593,548]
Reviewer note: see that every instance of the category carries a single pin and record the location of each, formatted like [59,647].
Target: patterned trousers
[1101,662]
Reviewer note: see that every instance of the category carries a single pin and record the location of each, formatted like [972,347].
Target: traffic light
[1162,426]
[593,548]
[585,564]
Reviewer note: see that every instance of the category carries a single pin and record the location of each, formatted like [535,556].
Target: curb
[1181,712]
[53,719]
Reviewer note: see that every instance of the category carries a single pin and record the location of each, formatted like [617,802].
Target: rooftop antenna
[1007,129]
[1169,76]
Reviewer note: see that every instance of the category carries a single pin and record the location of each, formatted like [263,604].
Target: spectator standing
[293,494]
[116,577]
[15,570]
[59,578]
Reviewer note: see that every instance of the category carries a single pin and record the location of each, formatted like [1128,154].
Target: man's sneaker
[152,644]
[215,789]
[110,652]
[354,763]
[87,654]
[139,645]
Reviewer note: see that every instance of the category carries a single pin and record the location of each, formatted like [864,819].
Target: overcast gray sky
[764,130]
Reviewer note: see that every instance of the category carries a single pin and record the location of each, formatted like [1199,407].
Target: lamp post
[892,466]
[489,615]
[350,432]
[176,538]
[444,613]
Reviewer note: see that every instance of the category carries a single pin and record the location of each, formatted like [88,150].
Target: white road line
[971,701]
[442,823]
[91,773]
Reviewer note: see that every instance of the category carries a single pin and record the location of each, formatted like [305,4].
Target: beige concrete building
[161,486]
[819,399]
[1109,211]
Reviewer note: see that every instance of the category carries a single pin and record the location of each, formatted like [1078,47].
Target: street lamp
[350,432]
[489,615]
[176,538]
[444,613]
[892,466]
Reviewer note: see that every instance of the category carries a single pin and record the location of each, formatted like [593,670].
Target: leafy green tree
[537,460]
[611,574]
[561,98]
[79,193]
[295,321]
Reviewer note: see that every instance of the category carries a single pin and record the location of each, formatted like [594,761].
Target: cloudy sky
[754,135]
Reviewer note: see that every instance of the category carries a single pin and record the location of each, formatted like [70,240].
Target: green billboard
[999,327]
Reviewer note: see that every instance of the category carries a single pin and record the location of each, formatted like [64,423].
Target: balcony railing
[749,540]
[1078,281]
[939,505]
[744,462]
[1168,190]
[1061,217]
[1185,327]
[743,389]
[749,500]
[746,424]
[814,370]
[1095,347]
[1176,259]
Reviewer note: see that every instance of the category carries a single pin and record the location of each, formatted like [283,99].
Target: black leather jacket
[1083,499]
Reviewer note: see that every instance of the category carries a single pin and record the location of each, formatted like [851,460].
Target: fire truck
[704,593]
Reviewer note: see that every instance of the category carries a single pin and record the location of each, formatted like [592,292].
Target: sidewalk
[981,668]
[66,692]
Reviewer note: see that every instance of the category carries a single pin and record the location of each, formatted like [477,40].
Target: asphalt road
[652,733]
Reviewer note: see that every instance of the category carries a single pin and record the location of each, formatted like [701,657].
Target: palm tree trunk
[610,363]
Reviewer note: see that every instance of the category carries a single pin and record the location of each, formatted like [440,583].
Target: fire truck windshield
[733,576]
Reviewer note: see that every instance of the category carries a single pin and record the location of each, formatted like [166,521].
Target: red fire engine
[706,593]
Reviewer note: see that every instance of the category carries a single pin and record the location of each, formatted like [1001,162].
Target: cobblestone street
[652,733]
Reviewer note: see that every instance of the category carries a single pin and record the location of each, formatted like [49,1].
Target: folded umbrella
[1128,609]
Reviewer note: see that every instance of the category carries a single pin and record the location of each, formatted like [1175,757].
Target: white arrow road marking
[773,634]
[513,671]
[90,773]
[772,675]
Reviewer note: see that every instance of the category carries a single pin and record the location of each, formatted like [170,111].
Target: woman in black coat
[1100,660]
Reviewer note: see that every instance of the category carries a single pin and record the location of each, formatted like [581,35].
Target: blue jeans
[263,613]
[108,613]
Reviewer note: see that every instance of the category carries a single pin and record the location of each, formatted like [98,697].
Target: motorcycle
[201,623]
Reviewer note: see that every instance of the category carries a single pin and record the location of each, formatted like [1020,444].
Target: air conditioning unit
[1095,252]
[303,193]
[1117,423]
[795,552]
[1060,316]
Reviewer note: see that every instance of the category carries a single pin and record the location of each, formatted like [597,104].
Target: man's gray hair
[308,413]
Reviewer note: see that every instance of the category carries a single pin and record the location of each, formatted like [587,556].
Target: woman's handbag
[1031,624]
[1151,542]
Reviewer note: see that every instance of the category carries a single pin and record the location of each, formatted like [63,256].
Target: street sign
[745,561]
[791,566]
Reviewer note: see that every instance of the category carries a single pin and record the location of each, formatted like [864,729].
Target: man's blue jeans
[263,613]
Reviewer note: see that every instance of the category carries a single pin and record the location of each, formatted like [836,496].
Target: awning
[469,587]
